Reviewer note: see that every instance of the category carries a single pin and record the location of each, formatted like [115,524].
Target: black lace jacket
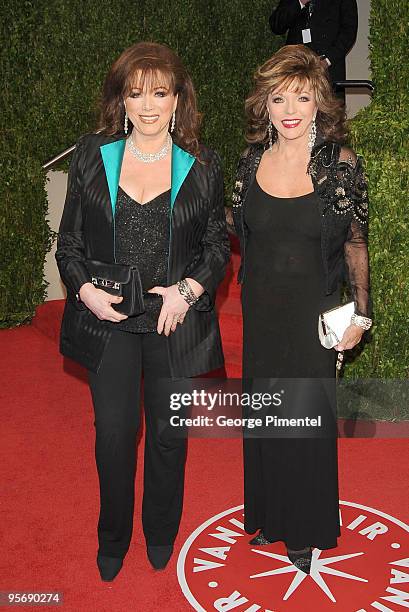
[338,177]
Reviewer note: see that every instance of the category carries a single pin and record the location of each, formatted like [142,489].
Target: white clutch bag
[332,324]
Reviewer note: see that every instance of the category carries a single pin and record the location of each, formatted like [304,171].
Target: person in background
[328,27]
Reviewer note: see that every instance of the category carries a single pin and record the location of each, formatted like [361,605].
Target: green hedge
[53,66]
[380,132]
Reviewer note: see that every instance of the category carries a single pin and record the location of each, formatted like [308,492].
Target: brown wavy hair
[161,66]
[294,65]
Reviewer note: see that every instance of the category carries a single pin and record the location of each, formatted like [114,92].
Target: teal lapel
[112,155]
[181,164]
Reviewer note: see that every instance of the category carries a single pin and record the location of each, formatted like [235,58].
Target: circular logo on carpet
[369,570]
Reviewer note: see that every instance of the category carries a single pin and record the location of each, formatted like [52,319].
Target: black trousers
[116,397]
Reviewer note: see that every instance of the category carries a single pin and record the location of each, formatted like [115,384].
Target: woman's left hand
[174,308]
[352,336]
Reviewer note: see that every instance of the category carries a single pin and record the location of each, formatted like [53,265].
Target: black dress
[290,484]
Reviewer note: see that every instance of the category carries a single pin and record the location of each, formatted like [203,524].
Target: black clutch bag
[121,280]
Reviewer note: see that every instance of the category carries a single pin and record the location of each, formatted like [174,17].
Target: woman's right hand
[99,302]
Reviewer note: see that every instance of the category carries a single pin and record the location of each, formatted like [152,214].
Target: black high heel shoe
[109,567]
[301,558]
[159,555]
[259,540]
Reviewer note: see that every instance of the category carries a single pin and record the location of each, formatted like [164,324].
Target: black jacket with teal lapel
[199,248]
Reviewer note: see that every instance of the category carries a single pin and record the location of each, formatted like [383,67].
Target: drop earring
[270,132]
[312,135]
[270,136]
[126,122]
[172,125]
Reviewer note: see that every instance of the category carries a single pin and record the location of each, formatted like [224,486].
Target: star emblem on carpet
[319,567]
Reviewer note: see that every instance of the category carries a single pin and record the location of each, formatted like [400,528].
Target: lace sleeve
[351,173]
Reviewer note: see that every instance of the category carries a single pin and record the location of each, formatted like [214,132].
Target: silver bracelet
[186,292]
[363,322]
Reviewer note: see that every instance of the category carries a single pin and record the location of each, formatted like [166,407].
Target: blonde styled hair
[294,67]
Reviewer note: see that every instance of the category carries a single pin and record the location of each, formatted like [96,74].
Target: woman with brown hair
[300,209]
[144,194]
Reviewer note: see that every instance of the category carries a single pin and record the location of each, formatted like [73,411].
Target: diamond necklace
[149,158]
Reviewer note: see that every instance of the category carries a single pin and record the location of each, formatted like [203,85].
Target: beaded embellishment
[248,161]
[343,186]
[238,186]
[353,178]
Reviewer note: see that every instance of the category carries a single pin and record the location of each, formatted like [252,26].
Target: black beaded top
[142,239]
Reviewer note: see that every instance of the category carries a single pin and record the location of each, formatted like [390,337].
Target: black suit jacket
[199,248]
[333,25]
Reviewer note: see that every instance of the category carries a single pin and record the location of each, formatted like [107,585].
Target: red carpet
[49,504]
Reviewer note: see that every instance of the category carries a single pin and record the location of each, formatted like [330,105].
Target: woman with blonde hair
[144,217]
[300,209]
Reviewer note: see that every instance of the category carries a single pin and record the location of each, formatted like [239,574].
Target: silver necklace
[149,158]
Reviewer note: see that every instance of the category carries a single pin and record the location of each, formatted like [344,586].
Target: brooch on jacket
[340,184]
[352,194]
